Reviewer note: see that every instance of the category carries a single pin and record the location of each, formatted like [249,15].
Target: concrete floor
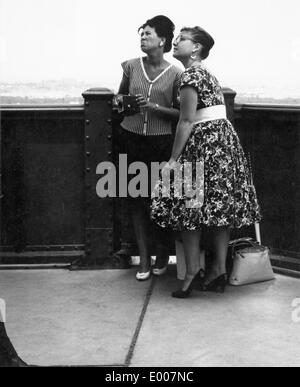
[58,317]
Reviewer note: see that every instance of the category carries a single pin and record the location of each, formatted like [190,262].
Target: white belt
[211,113]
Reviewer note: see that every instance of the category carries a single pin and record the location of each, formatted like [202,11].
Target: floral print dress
[224,193]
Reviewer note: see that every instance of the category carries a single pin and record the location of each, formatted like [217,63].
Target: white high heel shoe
[143,276]
[159,272]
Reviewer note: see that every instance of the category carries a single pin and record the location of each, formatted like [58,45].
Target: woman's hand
[162,111]
[143,103]
[169,166]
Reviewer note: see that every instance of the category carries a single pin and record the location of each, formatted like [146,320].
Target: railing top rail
[267,107]
[80,107]
[41,107]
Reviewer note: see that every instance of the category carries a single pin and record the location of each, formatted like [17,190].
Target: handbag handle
[245,239]
[242,241]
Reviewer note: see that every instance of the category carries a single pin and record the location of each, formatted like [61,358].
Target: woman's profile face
[183,45]
[149,39]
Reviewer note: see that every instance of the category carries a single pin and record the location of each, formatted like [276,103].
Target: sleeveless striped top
[162,90]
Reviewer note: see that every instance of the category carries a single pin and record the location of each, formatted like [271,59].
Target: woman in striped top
[147,135]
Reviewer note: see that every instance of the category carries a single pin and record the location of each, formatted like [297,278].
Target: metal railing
[50,210]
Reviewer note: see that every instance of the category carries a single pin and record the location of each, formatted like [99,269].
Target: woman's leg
[191,247]
[141,222]
[220,239]
[162,239]
[161,148]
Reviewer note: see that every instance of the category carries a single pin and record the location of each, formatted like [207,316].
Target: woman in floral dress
[223,195]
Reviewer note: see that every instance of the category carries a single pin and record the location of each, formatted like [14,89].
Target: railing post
[99,212]
[229,95]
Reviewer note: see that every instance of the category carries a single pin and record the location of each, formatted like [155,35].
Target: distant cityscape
[70,91]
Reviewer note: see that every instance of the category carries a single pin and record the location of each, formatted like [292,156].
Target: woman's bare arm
[188,109]
[124,85]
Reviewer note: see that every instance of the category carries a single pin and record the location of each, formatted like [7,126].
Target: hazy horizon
[257,46]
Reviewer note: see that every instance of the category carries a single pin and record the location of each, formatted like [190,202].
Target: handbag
[250,262]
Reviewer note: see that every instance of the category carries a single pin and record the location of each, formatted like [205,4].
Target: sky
[257,41]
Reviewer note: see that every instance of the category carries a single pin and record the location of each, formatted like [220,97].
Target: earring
[161,44]
[194,56]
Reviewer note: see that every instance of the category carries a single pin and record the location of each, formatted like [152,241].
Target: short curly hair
[164,28]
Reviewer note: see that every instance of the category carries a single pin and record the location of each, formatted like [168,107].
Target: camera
[126,104]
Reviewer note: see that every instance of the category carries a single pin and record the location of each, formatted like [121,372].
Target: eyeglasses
[181,39]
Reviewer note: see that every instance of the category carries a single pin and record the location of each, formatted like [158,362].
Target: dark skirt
[146,149]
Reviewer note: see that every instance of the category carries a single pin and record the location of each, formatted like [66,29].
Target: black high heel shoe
[218,285]
[186,293]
